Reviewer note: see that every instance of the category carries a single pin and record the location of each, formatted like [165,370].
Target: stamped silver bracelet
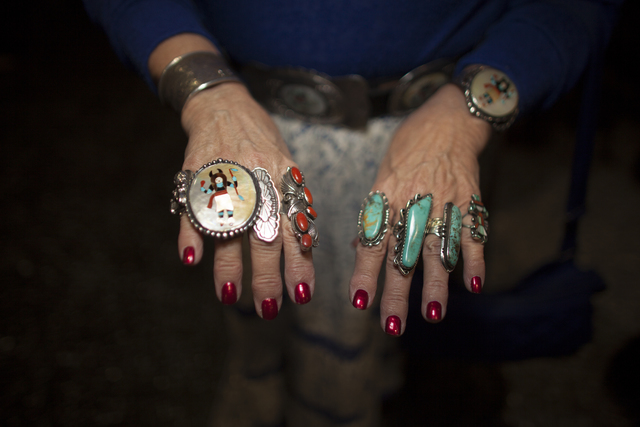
[191,73]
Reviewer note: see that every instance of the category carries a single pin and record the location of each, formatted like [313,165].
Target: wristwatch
[490,95]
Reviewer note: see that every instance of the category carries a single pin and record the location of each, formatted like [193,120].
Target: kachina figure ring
[479,226]
[410,232]
[373,219]
[297,204]
[223,199]
[448,229]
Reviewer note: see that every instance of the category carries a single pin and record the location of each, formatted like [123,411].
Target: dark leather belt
[348,100]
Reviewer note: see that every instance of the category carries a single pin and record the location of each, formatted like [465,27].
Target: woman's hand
[434,151]
[225,122]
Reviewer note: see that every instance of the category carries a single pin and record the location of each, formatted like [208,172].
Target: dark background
[100,324]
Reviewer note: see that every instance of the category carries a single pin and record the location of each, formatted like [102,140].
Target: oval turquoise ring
[223,199]
[373,219]
[410,232]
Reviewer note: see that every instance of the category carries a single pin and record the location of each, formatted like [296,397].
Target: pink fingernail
[361,299]
[476,284]
[302,293]
[269,309]
[188,255]
[229,293]
[434,311]
[394,325]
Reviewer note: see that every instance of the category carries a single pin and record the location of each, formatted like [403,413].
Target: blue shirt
[544,46]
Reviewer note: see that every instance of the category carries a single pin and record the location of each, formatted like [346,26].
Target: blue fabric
[542,45]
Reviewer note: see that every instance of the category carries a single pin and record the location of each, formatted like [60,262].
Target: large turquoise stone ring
[410,232]
[448,228]
[373,219]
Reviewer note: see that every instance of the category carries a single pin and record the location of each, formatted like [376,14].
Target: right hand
[226,122]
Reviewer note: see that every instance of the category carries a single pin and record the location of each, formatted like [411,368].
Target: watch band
[191,73]
[490,95]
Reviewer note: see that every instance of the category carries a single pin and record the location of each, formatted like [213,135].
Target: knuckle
[230,269]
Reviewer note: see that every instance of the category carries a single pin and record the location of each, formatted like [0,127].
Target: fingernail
[269,309]
[434,310]
[393,325]
[188,255]
[303,294]
[476,284]
[229,293]
[360,299]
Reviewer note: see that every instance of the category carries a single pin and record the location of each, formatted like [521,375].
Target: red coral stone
[312,212]
[301,222]
[306,241]
[296,175]
[308,196]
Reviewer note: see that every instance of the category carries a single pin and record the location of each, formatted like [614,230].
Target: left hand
[434,151]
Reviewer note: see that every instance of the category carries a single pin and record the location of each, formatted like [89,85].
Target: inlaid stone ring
[373,219]
[410,232]
[223,199]
[479,226]
[448,229]
[297,204]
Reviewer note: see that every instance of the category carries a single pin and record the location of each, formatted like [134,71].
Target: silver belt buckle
[415,87]
[310,96]
[317,98]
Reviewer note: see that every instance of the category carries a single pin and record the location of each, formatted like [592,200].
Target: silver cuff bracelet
[191,73]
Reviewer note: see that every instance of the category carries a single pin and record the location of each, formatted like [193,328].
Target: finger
[435,290]
[297,200]
[363,284]
[474,265]
[189,242]
[299,275]
[266,281]
[394,304]
[227,269]
[373,223]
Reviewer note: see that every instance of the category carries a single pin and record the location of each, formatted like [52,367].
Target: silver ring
[223,199]
[373,219]
[479,214]
[410,231]
[448,228]
[297,204]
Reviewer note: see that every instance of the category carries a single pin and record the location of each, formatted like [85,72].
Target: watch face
[493,93]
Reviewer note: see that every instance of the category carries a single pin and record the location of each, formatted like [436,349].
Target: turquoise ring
[410,232]
[448,228]
[479,215]
[373,219]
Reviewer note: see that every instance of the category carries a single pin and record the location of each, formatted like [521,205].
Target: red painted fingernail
[434,310]
[394,324]
[188,255]
[303,294]
[361,299]
[229,293]
[269,309]
[476,284]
